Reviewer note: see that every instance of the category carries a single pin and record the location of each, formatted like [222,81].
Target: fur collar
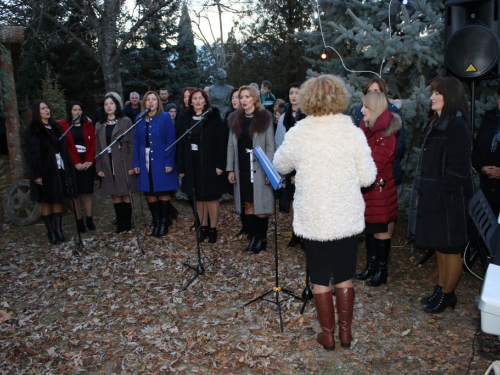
[387,123]
[261,120]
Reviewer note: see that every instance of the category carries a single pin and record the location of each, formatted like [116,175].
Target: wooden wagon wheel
[18,206]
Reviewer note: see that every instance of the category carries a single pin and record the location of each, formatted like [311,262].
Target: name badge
[194,147]
[81,149]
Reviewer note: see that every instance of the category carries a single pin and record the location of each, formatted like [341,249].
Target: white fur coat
[333,161]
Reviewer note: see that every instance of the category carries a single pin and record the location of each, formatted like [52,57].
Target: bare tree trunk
[12,117]
[108,53]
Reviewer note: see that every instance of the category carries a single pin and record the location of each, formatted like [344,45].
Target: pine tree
[187,70]
[52,93]
[406,50]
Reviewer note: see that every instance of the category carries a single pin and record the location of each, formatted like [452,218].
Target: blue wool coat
[161,136]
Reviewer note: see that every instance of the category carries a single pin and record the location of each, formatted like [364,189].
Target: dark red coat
[381,198]
[89,136]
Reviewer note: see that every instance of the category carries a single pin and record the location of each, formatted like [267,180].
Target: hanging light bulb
[323,55]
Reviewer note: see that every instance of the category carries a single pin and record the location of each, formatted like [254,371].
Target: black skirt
[337,257]
[85,181]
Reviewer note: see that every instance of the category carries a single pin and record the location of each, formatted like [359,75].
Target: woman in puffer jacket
[381,128]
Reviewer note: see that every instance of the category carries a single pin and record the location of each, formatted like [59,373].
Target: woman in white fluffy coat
[333,162]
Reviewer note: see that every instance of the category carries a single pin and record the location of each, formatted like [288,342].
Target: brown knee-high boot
[326,317]
[345,304]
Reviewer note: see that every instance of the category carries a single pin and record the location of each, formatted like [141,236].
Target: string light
[338,54]
[323,55]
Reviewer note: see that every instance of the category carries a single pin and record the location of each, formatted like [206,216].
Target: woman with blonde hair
[251,125]
[381,128]
[157,176]
[332,162]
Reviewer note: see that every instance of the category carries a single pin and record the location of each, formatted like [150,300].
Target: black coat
[212,155]
[41,160]
[443,187]
[482,155]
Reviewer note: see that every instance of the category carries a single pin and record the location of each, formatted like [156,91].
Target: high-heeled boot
[80,226]
[383,250]
[442,301]
[261,227]
[119,217]
[371,258]
[47,219]
[90,223]
[212,235]
[326,317]
[127,216]
[433,296]
[251,226]
[164,218]
[294,241]
[154,208]
[57,216]
[345,305]
[243,229]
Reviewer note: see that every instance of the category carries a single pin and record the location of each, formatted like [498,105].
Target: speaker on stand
[472,45]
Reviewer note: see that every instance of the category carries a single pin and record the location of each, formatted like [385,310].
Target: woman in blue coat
[157,176]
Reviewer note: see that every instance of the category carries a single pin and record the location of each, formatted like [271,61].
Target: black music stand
[276,183]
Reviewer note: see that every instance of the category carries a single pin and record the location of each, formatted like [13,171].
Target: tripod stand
[307,293]
[273,176]
[199,268]
[119,140]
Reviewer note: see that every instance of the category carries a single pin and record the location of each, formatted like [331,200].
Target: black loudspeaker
[472,46]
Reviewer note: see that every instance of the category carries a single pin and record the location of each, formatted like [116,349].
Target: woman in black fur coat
[48,162]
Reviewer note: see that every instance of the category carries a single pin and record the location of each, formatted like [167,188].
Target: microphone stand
[199,268]
[69,182]
[119,140]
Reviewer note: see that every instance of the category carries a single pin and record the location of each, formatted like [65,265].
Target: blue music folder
[271,172]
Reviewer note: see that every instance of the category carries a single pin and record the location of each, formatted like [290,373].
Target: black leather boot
[383,250]
[119,217]
[371,258]
[429,300]
[250,219]
[81,226]
[154,208]
[294,241]
[441,302]
[127,216]
[57,216]
[244,228]
[164,218]
[261,226]
[90,223]
[212,235]
[47,219]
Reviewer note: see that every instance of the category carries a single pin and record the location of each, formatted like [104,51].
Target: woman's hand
[218,171]
[168,169]
[87,165]
[267,180]
[137,170]
[230,177]
[181,175]
[292,180]
[38,181]
[131,172]
[79,167]
[101,174]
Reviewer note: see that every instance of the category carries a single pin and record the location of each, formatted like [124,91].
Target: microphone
[146,111]
[206,112]
[75,118]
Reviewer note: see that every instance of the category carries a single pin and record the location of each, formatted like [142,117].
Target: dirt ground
[109,309]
